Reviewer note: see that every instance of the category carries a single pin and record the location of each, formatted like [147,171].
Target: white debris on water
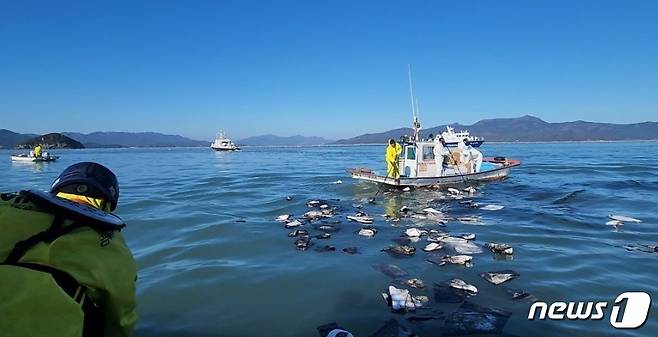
[492,207]
[283,217]
[415,232]
[462,285]
[360,219]
[401,299]
[623,218]
[432,246]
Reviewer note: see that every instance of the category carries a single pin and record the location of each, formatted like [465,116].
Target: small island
[51,141]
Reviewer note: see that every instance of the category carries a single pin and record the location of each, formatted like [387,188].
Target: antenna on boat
[414,107]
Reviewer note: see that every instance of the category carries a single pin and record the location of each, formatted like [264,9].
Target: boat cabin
[417,160]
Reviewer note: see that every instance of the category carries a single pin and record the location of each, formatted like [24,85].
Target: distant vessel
[27,158]
[223,143]
[453,138]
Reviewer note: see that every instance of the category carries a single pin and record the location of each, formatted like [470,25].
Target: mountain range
[522,129]
[527,129]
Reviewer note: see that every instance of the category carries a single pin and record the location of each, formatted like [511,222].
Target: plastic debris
[623,218]
[492,207]
[500,248]
[498,277]
[401,299]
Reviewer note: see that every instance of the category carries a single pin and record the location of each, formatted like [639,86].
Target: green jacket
[32,304]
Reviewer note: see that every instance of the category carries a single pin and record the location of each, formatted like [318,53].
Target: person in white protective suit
[472,157]
[440,153]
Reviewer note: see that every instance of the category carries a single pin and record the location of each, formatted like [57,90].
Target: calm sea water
[204,272]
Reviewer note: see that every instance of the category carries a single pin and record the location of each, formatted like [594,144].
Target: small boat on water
[431,163]
[46,157]
[223,143]
[453,138]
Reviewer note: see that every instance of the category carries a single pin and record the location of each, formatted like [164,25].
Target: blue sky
[329,68]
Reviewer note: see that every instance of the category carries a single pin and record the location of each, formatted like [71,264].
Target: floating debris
[324,206]
[472,319]
[241,220]
[400,250]
[360,219]
[614,223]
[367,231]
[351,250]
[327,248]
[294,223]
[444,293]
[415,283]
[623,218]
[467,236]
[454,191]
[357,206]
[405,209]
[492,207]
[452,259]
[338,182]
[498,277]
[298,232]
[391,270]
[470,220]
[392,329]
[521,295]
[327,228]
[406,189]
[470,189]
[462,285]
[415,232]
[432,247]
[500,248]
[303,243]
[283,217]
[323,236]
[313,203]
[333,330]
[288,198]
[433,211]
[314,215]
[467,248]
[401,299]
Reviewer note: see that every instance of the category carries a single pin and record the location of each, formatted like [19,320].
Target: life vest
[38,290]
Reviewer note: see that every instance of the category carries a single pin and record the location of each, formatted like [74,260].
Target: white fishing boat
[223,143]
[428,162]
[453,138]
[46,157]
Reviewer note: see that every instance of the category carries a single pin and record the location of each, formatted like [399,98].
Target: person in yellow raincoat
[37,151]
[66,270]
[393,151]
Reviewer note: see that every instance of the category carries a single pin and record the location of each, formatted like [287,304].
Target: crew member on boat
[473,157]
[37,151]
[441,158]
[393,151]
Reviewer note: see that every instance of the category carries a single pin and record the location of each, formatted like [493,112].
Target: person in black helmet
[66,270]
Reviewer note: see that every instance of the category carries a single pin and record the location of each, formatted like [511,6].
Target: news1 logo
[630,310]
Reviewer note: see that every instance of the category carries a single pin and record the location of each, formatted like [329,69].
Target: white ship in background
[453,138]
[223,143]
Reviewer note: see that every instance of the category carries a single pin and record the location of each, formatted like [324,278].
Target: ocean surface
[214,262]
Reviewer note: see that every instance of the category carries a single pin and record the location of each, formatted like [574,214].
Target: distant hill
[134,139]
[51,141]
[527,129]
[9,139]
[272,140]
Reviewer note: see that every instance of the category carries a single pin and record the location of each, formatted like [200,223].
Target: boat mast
[414,108]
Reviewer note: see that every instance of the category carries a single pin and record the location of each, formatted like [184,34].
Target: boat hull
[225,149]
[27,159]
[501,171]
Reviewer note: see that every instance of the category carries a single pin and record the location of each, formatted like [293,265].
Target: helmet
[89,179]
